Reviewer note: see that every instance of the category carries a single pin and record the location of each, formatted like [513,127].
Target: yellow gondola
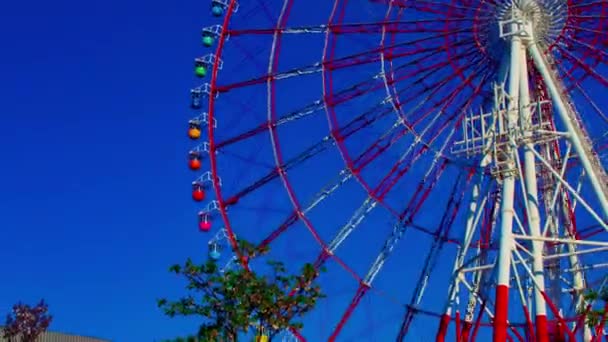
[261,338]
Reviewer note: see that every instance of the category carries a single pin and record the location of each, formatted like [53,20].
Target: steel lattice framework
[446,156]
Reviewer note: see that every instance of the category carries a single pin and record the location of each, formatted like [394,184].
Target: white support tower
[517,141]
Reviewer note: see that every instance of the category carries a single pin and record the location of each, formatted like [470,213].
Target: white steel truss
[535,165]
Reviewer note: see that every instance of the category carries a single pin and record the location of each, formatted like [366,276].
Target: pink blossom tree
[25,323]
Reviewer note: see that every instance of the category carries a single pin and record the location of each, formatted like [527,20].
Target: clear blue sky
[94,197]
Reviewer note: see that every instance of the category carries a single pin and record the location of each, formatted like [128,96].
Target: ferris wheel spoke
[313,108]
[397,49]
[594,49]
[363,121]
[335,99]
[463,54]
[590,71]
[419,82]
[249,56]
[343,177]
[588,4]
[402,74]
[282,168]
[593,33]
[357,164]
[398,230]
[360,58]
[379,146]
[440,237]
[395,174]
[413,48]
[444,104]
[372,155]
[358,216]
[277,151]
[302,71]
[406,218]
[441,104]
[389,26]
[437,87]
[590,231]
[310,109]
[419,196]
[437,7]
[591,102]
[409,159]
[358,124]
[568,74]
[408,5]
[360,90]
[305,155]
[591,18]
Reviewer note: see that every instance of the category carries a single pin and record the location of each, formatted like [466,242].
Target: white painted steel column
[508,193]
[540,63]
[578,282]
[452,296]
[504,260]
[530,178]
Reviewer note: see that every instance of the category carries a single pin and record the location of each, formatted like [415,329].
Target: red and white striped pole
[508,193]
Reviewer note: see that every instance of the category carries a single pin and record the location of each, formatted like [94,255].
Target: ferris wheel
[444,160]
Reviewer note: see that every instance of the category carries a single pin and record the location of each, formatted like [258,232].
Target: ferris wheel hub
[547,18]
[544,19]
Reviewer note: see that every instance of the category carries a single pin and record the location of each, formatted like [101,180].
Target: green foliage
[595,314]
[237,300]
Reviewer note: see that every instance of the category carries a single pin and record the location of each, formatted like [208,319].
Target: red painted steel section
[501,313]
[443,328]
[542,333]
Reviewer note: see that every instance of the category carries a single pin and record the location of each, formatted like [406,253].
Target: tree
[238,300]
[596,314]
[26,323]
